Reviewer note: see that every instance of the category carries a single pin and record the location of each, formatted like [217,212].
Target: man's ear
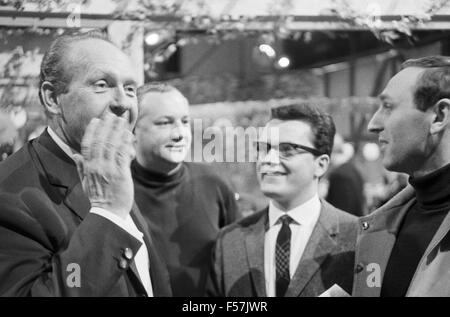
[441,112]
[322,163]
[49,98]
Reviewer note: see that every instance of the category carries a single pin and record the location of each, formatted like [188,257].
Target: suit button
[128,253]
[365,225]
[359,268]
[123,264]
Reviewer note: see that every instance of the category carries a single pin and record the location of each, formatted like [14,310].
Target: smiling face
[294,180]
[403,129]
[163,130]
[102,80]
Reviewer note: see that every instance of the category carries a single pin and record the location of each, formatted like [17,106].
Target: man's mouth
[272,174]
[176,147]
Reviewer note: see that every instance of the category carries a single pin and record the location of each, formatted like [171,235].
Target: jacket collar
[61,173]
[254,244]
[377,236]
[390,216]
[321,243]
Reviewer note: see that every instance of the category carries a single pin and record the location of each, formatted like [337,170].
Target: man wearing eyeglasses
[299,245]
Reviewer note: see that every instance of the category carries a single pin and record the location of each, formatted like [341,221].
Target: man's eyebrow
[94,72]
[131,81]
[383,97]
[111,75]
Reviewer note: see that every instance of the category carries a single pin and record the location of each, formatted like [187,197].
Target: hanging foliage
[385,31]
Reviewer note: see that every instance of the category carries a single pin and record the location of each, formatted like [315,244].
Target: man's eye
[186,121]
[386,105]
[262,147]
[130,89]
[166,122]
[286,148]
[101,84]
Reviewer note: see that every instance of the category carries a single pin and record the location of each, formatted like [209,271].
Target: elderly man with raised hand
[68,226]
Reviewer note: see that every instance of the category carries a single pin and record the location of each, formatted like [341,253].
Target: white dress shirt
[141,258]
[304,218]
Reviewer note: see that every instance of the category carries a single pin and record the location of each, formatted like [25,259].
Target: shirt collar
[305,214]
[66,149]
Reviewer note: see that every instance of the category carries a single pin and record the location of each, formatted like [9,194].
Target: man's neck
[63,137]
[432,164]
[158,166]
[303,197]
[60,142]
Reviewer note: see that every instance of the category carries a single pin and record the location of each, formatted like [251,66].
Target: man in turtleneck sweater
[185,204]
[403,247]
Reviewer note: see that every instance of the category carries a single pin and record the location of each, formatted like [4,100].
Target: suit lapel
[254,245]
[377,241]
[158,270]
[320,245]
[61,173]
[443,230]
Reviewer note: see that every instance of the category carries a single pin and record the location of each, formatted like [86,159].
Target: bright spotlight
[152,39]
[267,49]
[284,62]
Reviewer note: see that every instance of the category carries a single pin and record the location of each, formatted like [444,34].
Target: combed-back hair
[158,87]
[322,124]
[434,83]
[54,63]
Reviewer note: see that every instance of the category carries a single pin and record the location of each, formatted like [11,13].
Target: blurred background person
[8,136]
[345,183]
[185,204]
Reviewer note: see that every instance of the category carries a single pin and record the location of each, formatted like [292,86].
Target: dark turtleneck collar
[154,179]
[433,190]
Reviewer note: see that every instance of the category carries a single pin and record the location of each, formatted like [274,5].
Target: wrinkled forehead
[291,131]
[91,56]
[160,104]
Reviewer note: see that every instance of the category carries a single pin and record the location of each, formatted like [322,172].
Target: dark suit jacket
[45,226]
[238,266]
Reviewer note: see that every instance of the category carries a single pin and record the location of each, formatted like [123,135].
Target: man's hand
[104,164]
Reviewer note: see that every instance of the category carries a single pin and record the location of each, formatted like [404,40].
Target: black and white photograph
[225,153]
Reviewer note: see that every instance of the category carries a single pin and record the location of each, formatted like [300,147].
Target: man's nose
[272,157]
[177,133]
[376,123]
[119,109]
[121,105]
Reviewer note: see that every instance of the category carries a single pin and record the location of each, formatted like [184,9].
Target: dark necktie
[282,256]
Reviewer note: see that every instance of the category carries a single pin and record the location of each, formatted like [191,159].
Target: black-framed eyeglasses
[285,149]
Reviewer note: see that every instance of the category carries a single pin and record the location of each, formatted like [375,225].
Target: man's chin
[175,158]
[272,192]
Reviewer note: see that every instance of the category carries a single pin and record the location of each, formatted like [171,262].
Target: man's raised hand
[104,164]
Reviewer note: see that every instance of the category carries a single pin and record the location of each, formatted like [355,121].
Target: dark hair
[434,83]
[154,87]
[53,62]
[322,124]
